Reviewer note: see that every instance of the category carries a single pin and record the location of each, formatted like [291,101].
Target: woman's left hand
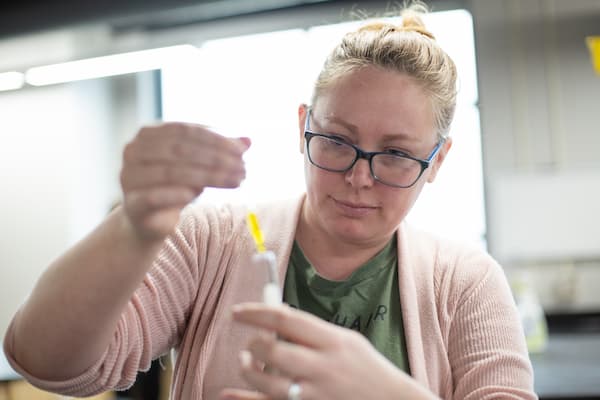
[325,360]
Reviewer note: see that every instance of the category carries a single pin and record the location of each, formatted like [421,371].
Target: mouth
[355,209]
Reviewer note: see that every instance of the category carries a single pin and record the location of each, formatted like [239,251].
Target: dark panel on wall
[28,16]
[31,16]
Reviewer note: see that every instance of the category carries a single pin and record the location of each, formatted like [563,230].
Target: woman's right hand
[166,166]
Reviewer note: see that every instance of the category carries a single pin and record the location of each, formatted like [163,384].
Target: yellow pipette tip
[256,232]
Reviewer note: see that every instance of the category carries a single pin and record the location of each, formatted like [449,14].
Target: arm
[71,316]
[486,349]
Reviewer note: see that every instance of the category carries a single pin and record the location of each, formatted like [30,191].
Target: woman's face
[376,110]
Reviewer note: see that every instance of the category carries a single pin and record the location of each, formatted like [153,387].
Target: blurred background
[79,78]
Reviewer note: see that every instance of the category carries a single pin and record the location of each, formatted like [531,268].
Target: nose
[359,175]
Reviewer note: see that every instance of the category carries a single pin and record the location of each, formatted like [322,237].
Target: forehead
[373,99]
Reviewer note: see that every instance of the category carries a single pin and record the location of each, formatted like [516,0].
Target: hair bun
[411,21]
[378,26]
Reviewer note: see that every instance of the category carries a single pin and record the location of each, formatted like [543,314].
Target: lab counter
[569,368]
[6,371]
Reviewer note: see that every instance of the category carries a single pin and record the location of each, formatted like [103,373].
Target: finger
[172,151]
[186,142]
[155,212]
[274,386]
[147,200]
[296,326]
[238,394]
[290,359]
[140,176]
[195,133]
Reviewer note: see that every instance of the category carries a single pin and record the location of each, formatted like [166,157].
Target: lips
[354,205]
[354,209]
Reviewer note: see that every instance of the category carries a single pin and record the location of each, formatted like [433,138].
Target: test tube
[271,290]
[265,259]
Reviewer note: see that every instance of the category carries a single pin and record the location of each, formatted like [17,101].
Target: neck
[333,258]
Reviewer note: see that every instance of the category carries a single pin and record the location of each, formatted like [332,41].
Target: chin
[354,231]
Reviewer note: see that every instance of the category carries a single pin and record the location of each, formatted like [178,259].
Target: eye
[337,138]
[397,152]
[334,141]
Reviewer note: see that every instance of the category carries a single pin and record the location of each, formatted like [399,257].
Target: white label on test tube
[271,294]
[271,291]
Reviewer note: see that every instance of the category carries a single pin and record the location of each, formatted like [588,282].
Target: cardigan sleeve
[151,323]
[486,345]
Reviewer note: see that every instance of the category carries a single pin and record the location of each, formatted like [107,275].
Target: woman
[416,317]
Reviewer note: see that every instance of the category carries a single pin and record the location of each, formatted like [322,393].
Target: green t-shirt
[368,301]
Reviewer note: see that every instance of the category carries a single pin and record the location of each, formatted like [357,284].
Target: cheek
[398,204]
[319,181]
[311,177]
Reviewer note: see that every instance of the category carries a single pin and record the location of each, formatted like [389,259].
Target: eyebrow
[351,127]
[354,129]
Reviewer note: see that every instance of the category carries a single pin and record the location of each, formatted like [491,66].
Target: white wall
[53,178]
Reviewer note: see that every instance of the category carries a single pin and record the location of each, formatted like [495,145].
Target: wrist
[126,233]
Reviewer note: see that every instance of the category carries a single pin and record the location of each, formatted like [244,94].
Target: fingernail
[237,310]
[245,358]
[245,141]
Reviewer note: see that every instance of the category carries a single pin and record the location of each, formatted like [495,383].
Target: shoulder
[200,215]
[446,253]
[457,267]
[226,219]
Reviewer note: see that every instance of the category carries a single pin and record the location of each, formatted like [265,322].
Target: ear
[439,159]
[302,112]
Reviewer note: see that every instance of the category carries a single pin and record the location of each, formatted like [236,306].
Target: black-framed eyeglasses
[392,168]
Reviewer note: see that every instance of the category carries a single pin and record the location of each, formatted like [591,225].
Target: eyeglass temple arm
[435,150]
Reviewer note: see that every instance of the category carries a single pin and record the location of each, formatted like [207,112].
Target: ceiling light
[117,64]
[11,80]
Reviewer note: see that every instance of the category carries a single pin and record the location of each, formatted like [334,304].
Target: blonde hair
[408,48]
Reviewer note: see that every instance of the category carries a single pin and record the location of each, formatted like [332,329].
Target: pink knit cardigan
[464,338]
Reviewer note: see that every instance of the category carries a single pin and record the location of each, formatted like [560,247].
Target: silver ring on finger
[294,392]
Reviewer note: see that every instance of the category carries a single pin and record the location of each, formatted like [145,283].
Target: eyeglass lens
[337,156]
